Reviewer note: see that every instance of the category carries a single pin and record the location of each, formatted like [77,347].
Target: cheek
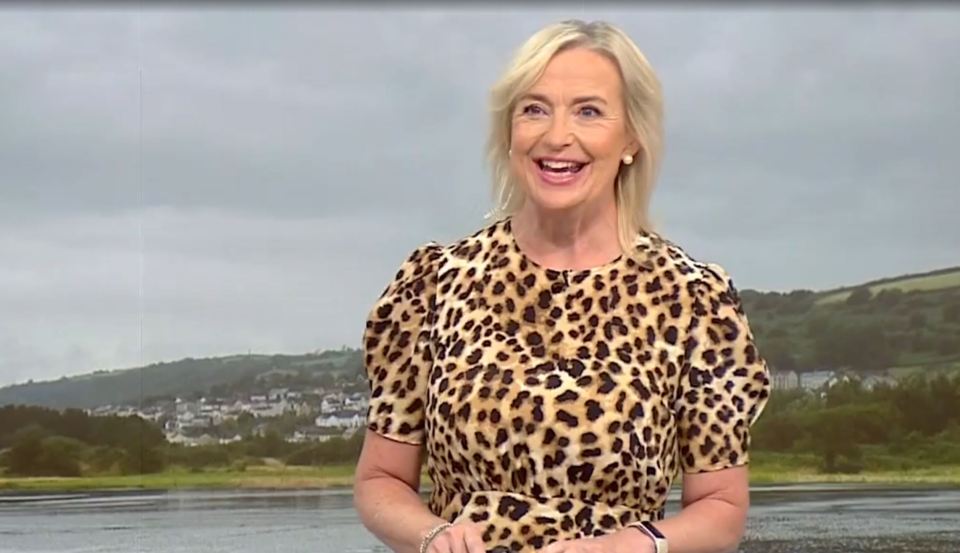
[523,136]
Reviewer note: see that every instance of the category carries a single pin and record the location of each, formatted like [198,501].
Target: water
[783,519]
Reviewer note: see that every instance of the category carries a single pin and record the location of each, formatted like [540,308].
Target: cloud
[196,182]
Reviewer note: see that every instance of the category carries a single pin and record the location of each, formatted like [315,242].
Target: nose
[559,134]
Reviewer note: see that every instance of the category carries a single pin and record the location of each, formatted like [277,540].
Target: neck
[567,240]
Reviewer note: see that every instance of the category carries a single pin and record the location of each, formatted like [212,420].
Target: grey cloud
[292,158]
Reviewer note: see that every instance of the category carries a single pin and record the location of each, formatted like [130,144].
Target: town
[318,414]
[301,415]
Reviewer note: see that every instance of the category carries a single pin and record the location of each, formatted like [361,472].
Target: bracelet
[432,534]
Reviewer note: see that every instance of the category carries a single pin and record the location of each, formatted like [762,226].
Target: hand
[462,537]
[625,540]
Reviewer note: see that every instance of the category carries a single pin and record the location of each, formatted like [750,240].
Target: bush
[198,457]
[105,459]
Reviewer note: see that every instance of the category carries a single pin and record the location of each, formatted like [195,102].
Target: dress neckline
[507,225]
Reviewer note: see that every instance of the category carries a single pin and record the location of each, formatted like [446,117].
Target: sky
[191,182]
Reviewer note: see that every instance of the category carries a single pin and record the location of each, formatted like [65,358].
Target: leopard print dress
[561,404]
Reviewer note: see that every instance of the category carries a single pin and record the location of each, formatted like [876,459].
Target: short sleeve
[724,382]
[396,351]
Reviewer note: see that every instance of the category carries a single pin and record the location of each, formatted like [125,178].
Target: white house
[341,419]
[784,380]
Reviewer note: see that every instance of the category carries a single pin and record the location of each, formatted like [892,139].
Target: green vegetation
[35,441]
[935,280]
[897,429]
[265,476]
[189,379]
[866,332]
[908,431]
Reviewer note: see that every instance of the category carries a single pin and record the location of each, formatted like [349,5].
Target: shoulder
[673,262]
[432,257]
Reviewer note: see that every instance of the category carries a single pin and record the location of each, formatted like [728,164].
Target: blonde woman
[558,367]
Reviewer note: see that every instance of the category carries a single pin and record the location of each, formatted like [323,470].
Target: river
[783,519]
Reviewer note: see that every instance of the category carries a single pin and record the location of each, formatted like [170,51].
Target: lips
[560,166]
[560,172]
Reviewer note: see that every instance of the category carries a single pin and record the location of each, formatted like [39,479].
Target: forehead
[579,70]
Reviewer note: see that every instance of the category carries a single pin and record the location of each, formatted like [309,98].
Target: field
[765,469]
[909,284]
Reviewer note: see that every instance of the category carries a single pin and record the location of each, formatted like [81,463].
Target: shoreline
[341,476]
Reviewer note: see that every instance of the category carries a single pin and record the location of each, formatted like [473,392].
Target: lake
[784,519]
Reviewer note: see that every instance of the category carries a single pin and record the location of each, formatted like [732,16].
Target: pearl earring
[627,159]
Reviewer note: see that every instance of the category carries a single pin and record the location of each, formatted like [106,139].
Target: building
[341,419]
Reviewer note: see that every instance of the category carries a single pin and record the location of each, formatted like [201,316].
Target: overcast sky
[292,158]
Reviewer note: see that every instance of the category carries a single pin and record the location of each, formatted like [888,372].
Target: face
[569,133]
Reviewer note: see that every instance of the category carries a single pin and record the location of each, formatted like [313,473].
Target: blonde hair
[644,108]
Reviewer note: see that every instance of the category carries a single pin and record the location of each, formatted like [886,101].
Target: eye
[590,111]
[532,109]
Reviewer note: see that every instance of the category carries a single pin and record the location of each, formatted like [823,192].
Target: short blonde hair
[644,108]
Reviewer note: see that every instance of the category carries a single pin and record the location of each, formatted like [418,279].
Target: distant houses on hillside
[819,380]
[196,422]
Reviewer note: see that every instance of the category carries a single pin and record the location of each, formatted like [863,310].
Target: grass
[765,468]
[924,283]
[258,477]
[774,468]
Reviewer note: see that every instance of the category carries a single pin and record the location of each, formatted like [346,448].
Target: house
[341,419]
[814,380]
[312,434]
[277,394]
[872,381]
[784,380]
[356,401]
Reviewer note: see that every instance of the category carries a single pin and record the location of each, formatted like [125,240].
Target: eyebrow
[577,100]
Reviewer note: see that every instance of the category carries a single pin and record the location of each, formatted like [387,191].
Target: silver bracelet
[432,534]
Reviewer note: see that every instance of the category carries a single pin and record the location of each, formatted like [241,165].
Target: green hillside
[186,378]
[896,325]
[934,280]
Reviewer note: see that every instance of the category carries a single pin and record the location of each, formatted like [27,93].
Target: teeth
[560,165]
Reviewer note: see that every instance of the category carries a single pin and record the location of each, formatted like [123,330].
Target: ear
[633,148]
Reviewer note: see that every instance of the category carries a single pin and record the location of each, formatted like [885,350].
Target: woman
[560,366]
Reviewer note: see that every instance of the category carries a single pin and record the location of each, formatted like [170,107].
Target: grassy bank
[264,477]
[772,468]
[765,469]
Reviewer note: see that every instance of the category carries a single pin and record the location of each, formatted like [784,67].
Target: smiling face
[569,133]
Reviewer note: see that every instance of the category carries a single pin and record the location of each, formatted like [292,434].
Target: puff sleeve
[724,382]
[396,351]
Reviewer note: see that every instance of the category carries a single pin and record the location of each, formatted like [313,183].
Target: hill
[895,325]
[186,378]
[940,279]
[898,325]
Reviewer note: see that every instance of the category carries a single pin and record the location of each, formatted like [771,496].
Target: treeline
[913,424]
[41,442]
[863,332]
[36,441]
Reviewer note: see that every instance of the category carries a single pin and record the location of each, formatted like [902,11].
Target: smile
[559,172]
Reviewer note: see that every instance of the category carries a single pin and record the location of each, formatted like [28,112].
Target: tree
[951,312]
[779,354]
[889,297]
[860,347]
[918,320]
[859,296]
[26,449]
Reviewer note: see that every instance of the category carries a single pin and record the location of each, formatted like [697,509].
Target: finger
[455,541]
[443,543]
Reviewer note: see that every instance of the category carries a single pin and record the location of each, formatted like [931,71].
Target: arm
[386,493]
[713,514]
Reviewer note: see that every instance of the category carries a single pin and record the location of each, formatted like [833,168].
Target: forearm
[394,513]
[709,525]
